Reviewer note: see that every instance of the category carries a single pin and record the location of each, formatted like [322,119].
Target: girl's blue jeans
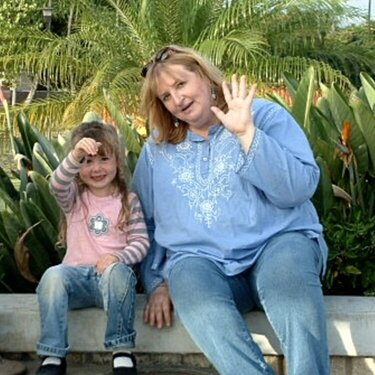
[284,282]
[63,288]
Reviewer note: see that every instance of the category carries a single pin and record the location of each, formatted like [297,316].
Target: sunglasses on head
[161,55]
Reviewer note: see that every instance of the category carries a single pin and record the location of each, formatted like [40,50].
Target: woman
[225,181]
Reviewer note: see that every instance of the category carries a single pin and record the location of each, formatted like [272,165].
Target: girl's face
[187,96]
[98,173]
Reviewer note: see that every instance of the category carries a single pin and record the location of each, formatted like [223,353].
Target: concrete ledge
[351,328]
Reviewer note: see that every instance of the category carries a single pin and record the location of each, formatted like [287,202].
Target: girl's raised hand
[85,147]
[238,119]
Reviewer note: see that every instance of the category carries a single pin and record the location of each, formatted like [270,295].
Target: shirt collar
[212,130]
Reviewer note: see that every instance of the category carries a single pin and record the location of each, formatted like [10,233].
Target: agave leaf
[9,202]
[7,186]
[28,138]
[4,239]
[46,149]
[24,178]
[40,161]
[46,233]
[12,225]
[44,199]
[39,244]
[59,145]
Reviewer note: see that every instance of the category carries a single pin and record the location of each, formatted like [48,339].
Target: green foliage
[14,15]
[351,261]
[98,46]
[341,130]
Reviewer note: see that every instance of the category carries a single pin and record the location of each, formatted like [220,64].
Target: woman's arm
[158,309]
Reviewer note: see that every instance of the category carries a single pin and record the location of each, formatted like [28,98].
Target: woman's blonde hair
[110,145]
[153,108]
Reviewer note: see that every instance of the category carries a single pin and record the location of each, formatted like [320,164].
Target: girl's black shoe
[52,369]
[124,370]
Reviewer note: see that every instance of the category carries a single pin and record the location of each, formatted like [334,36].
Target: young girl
[105,235]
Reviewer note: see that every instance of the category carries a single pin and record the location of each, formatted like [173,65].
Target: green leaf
[366,121]
[40,161]
[303,99]
[7,186]
[45,199]
[12,225]
[323,198]
[352,270]
[369,87]
[28,137]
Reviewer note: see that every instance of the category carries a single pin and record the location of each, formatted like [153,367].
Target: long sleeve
[152,266]
[137,237]
[280,162]
[62,184]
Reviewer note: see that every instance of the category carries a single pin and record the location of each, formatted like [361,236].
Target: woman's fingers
[238,89]
[158,309]
[226,92]
[243,88]
[251,95]
[234,86]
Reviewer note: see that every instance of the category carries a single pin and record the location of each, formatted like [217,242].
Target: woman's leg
[60,289]
[286,279]
[117,287]
[202,296]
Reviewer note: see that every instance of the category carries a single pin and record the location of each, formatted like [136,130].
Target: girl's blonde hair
[110,145]
[153,108]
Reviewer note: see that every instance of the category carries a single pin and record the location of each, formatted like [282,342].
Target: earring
[213,93]
[176,123]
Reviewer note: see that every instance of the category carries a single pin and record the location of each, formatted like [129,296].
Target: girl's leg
[205,303]
[117,288]
[60,289]
[286,280]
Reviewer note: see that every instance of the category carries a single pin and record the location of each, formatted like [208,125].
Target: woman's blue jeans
[63,288]
[284,282]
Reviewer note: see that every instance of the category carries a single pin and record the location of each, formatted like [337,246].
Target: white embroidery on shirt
[204,190]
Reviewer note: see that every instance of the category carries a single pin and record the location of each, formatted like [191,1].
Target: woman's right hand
[158,310]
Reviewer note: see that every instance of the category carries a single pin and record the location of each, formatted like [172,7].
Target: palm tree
[101,53]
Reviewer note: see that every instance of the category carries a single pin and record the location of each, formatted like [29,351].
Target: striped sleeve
[137,237]
[62,184]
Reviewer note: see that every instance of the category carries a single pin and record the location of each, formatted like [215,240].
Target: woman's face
[187,96]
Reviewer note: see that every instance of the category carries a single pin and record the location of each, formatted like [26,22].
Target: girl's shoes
[51,368]
[122,370]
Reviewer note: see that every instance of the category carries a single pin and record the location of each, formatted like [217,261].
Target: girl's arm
[137,237]
[62,184]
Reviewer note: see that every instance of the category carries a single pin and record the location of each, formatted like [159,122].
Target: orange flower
[345,133]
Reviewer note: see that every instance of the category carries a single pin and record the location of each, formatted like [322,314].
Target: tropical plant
[106,43]
[341,129]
